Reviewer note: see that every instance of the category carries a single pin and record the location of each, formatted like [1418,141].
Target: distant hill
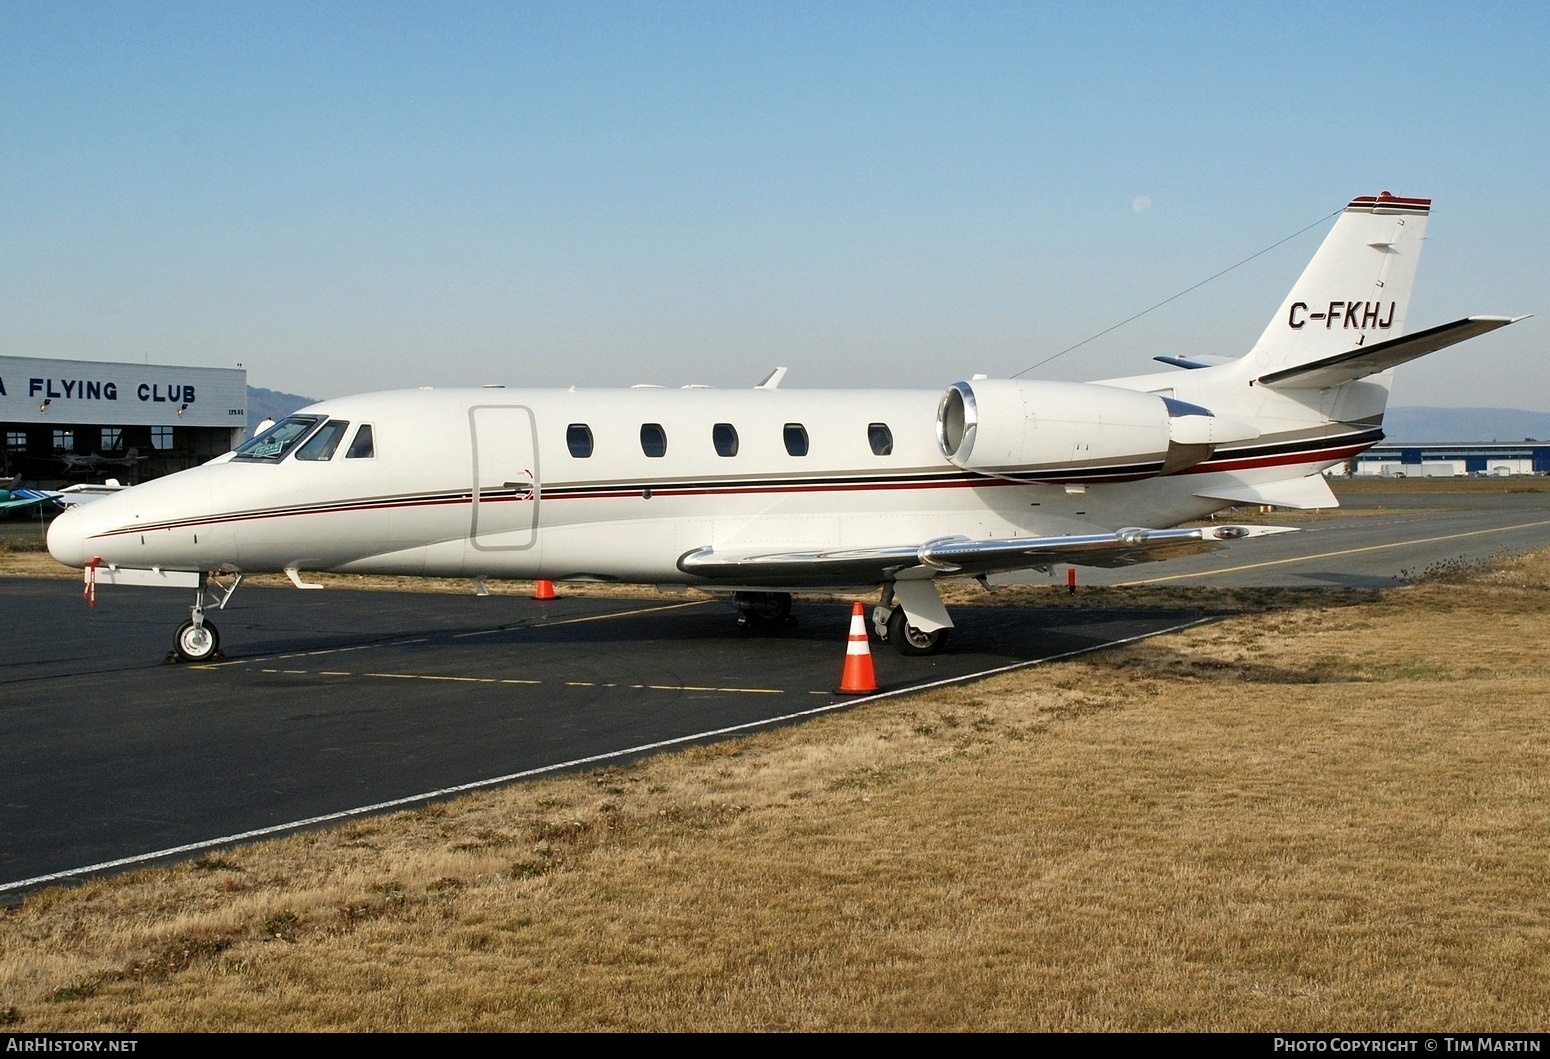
[1464,424]
[272,404]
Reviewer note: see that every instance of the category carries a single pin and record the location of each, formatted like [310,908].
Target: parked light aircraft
[70,496]
[767,491]
[93,462]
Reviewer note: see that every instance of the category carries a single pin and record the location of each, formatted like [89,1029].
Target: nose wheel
[196,643]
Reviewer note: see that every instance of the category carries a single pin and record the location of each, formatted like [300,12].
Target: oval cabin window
[796,439]
[724,436]
[653,440]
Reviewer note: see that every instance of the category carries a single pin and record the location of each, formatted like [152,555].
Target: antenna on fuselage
[772,380]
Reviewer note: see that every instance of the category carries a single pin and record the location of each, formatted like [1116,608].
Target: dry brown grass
[1325,815]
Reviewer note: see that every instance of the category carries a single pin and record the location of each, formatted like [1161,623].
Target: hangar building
[76,419]
[1443,460]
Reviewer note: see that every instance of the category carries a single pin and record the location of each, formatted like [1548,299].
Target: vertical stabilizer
[1355,291]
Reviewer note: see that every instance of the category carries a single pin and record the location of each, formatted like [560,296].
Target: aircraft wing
[963,556]
[1363,361]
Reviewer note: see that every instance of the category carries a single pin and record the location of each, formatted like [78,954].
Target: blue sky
[347,197]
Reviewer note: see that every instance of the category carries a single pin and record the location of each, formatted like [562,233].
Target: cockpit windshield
[273,444]
[321,445]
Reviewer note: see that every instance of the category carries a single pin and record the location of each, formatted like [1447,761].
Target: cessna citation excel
[763,492]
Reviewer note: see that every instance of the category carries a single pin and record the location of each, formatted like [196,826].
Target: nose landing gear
[198,640]
[196,643]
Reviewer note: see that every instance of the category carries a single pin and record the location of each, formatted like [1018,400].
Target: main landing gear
[763,610]
[908,640]
[197,640]
[892,623]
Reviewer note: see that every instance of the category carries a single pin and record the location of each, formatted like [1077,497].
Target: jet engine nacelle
[1070,431]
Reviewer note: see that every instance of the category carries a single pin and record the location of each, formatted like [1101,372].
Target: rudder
[1355,291]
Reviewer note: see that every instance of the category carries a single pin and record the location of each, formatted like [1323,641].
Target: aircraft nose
[66,540]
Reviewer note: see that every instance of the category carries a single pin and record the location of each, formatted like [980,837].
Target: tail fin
[1355,291]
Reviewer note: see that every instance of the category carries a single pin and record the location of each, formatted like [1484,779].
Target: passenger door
[506,493]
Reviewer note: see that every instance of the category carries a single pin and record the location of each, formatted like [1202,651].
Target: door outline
[504,511]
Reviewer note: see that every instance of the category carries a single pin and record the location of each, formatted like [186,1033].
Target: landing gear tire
[762,609]
[910,641]
[196,643]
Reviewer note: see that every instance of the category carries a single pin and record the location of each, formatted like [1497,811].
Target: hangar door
[505,508]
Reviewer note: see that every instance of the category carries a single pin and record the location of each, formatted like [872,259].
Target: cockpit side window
[362,447]
[321,445]
[272,445]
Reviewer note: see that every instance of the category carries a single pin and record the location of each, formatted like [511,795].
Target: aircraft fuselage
[560,484]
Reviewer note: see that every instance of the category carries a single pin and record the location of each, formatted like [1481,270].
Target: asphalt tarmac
[1373,540]
[334,703]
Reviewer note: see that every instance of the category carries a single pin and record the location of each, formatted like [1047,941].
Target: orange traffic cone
[858,678]
[544,590]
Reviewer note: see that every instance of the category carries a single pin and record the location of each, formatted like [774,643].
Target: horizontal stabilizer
[1304,494]
[1369,360]
[963,556]
[1205,360]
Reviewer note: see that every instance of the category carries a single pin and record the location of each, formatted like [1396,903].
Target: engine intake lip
[957,418]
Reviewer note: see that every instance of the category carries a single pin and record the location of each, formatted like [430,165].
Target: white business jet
[763,492]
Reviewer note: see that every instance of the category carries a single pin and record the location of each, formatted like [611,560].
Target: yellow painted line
[520,681]
[334,673]
[1332,555]
[482,632]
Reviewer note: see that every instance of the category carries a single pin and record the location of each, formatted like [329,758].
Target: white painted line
[1334,554]
[611,755]
[590,617]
